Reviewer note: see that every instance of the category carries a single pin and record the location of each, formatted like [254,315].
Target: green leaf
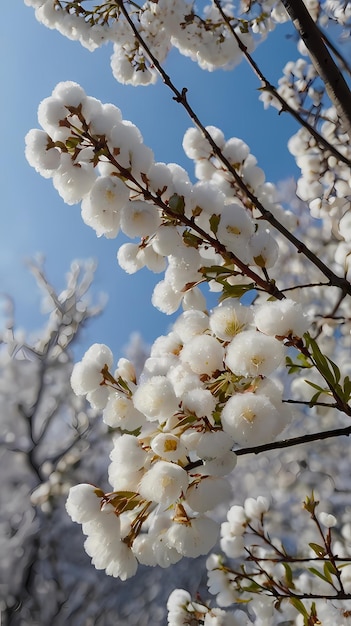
[335,369]
[299,606]
[235,291]
[72,143]
[289,576]
[327,573]
[314,398]
[301,363]
[328,566]
[293,368]
[217,270]
[177,204]
[310,504]
[191,240]
[325,366]
[319,550]
[58,144]
[214,222]
[319,389]
[316,572]
[252,587]
[304,362]
[313,614]
[315,386]
[346,389]
[122,383]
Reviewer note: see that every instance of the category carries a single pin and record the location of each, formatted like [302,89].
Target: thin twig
[305,403]
[293,559]
[305,286]
[343,62]
[295,441]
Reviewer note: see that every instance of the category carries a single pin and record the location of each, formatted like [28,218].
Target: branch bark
[336,86]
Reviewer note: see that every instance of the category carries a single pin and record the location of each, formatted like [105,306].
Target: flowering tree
[50,440]
[265,369]
[44,430]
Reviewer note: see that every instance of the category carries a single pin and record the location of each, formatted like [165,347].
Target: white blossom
[327,519]
[282,318]
[205,494]
[255,507]
[87,376]
[163,483]
[156,398]
[44,159]
[251,419]
[194,538]
[139,219]
[203,354]
[168,447]
[101,209]
[253,354]
[83,504]
[199,401]
[120,412]
[229,319]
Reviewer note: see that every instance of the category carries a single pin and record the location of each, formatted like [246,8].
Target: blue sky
[35,219]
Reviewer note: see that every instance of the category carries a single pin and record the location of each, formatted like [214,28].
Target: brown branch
[295,441]
[285,443]
[305,286]
[322,60]
[292,559]
[305,403]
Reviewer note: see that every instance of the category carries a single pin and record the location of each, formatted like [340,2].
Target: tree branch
[343,62]
[295,441]
[322,60]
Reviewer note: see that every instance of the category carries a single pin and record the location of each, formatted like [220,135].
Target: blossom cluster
[206,386]
[205,389]
[205,37]
[270,566]
[299,88]
[338,10]
[195,232]
[325,182]
[322,152]
[183,610]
